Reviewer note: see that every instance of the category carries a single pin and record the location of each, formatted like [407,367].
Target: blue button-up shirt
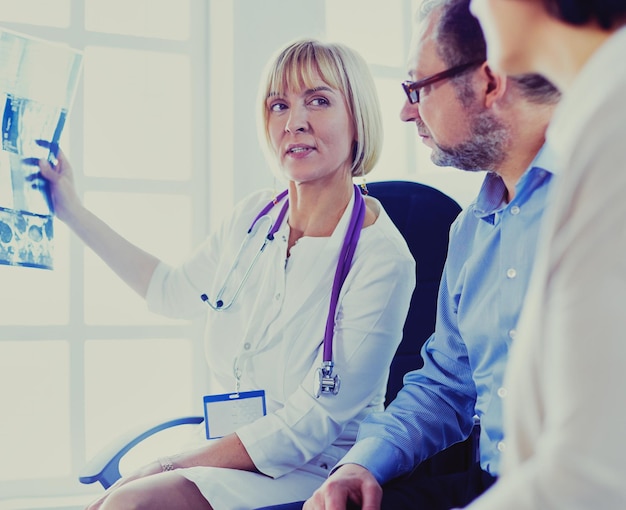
[487,271]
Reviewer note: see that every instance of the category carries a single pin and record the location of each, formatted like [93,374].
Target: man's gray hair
[460,39]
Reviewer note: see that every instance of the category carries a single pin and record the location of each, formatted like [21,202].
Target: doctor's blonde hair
[341,68]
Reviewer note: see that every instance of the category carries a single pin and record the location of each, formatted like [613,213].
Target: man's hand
[350,482]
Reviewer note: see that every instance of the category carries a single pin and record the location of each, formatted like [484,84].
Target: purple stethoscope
[325,381]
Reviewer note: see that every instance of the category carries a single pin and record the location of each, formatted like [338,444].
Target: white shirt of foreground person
[274,331]
[565,418]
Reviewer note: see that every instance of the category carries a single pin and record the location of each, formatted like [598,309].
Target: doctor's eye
[320,101]
[277,106]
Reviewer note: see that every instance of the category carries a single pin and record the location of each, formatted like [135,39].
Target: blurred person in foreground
[564,417]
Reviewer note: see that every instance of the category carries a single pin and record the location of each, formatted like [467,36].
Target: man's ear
[495,85]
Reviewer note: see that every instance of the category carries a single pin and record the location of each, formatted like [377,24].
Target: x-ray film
[37,84]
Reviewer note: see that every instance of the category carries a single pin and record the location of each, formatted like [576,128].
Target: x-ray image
[25,238]
[23,122]
[37,84]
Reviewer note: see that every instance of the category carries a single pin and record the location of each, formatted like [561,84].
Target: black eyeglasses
[412,88]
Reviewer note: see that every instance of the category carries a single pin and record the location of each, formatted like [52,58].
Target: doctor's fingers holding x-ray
[308,290]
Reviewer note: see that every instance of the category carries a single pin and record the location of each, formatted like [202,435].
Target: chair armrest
[105,466]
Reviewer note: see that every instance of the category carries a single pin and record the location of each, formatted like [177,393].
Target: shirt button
[511,273]
[515,210]
[512,334]
[246,346]
[501,446]
[502,392]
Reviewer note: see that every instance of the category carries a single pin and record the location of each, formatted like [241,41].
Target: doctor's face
[512,31]
[311,132]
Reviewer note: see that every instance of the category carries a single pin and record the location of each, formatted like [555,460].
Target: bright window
[142,18]
[35,399]
[159,223]
[126,402]
[139,105]
[47,13]
[81,358]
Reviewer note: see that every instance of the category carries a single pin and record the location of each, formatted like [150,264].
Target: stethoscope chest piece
[325,381]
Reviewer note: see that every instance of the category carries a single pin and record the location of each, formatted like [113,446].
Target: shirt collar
[492,195]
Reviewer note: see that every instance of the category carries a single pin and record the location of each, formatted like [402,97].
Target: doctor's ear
[495,84]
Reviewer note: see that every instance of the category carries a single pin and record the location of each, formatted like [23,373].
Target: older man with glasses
[473,118]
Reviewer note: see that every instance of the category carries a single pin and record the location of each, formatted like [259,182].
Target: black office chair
[423,215]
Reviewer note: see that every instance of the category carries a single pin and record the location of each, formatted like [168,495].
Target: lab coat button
[277,297]
[511,273]
[502,392]
[246,346]
[512,334]
[501,446]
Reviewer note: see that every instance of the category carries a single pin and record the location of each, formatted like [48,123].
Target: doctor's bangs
[300,64]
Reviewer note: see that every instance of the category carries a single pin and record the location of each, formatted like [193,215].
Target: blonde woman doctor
[280,273]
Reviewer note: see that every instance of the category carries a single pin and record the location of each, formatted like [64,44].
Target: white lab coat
[273,333]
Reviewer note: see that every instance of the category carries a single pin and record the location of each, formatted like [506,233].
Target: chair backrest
[423,215]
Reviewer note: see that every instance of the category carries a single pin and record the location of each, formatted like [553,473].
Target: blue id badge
[225,413]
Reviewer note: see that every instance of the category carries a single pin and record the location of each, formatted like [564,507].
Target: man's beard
[484,150]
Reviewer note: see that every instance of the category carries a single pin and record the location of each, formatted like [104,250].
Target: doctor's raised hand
[305,294]
[60,177]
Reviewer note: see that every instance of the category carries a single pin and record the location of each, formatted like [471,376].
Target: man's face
[452,118]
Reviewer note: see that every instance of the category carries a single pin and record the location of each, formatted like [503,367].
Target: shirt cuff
[379,457]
